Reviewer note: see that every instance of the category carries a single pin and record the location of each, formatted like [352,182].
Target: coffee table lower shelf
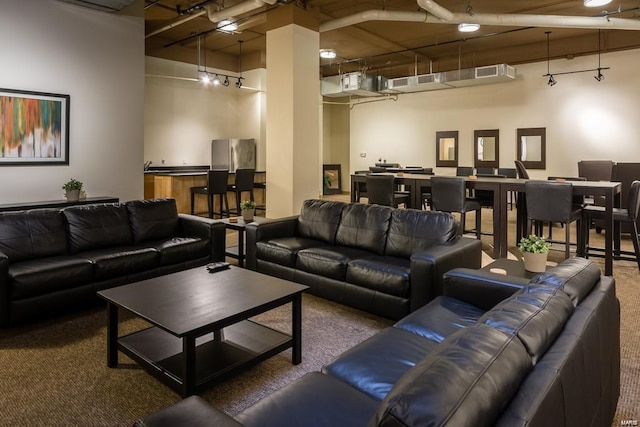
[240,345]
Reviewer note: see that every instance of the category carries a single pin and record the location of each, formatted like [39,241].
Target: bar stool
[449,194]
[216,184]
[242,184]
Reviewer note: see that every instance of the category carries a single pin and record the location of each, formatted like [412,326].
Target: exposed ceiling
[390,48]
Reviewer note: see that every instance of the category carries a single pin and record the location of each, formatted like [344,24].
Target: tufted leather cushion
[466,381]
[364,227]
[575,276]
[180,249]
[284,251]
[413,231]
[117,262]
[440,318]
[32,234]
[328,261]
[388,275]
[153,219]
[536,318]
[97,226]
[47,275]
[319,220]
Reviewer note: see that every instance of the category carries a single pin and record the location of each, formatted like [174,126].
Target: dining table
[417,184]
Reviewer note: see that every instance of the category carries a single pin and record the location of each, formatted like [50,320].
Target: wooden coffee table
[187,347]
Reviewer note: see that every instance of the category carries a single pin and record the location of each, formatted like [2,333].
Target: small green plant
[247,205]
[72,184]
[326,180]
[534,244]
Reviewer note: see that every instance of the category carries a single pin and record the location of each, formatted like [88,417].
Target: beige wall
[336,139]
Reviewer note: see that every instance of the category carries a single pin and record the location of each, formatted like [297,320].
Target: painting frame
[34,128]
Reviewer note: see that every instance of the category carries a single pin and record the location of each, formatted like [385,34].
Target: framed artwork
[34,128]
[331,179]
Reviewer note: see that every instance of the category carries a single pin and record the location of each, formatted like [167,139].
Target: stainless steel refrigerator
[233,153]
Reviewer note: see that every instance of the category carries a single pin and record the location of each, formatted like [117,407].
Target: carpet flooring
[54,373]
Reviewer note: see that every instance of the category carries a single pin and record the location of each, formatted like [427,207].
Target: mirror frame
[495,133]
[447,163]
[542,133]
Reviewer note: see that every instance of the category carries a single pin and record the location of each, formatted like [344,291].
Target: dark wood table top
[193,300]
[56,203]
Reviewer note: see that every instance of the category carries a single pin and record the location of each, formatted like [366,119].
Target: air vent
[426,78]
[353,84]
[490,71]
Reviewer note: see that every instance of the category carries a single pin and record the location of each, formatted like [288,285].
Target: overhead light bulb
[216,80]
[468,28]
[226,81]
[227,25]
[596,3]
[328,53]
[205,78]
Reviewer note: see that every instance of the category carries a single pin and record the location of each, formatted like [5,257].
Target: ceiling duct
[478,76]
[353,84]
[103,5]
[419,83]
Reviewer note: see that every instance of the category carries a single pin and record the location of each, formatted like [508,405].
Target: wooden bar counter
[177,184]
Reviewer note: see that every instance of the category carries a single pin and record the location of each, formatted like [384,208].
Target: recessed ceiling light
[227,25]
[596,3]
[468,28]
[327,53]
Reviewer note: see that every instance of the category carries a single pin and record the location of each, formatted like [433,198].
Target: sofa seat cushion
[440,318]
[386,274]
[315,399]
[284,251]
[328,261]
[32,234]
[120,261]
[536,318]
[180,249]
[374,365]
[466,381]
[46,275]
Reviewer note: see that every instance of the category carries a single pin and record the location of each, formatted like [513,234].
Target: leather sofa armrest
[4,289]
[192,411]
[483,289]
[429,266]
[272,229]
[206,228]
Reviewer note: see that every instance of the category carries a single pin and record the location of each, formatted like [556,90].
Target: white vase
[536,263]
[247,214]
[73,195]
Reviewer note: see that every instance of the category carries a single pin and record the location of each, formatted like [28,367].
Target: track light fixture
[552,81]
[206,77]
[239,83]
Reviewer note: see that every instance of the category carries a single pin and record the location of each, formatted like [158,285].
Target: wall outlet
[363,154]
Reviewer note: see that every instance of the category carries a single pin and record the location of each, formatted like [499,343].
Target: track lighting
[239,83]
[216,80]
[552,81]
[600,76]
[226,81]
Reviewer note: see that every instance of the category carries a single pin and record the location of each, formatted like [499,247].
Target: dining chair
[361,187]
[509,173]
[216,185]
[448,194]
[521,170]
[377,169]
[550,201]
[485,171]
[381,191]
[627,215]
[464,171]
[243,184]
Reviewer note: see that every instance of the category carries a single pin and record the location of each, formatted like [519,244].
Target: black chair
[620,215]
[448,194]
[216,184]
[485,171]
[381,191]
[361,187]
[377,169]
[464,171]
[509,173]
[521,170]
[549,201]
[243,184]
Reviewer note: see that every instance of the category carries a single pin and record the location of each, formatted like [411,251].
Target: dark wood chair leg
[567,242]
[210,204]
[636,244]
[478,223]
[192,201]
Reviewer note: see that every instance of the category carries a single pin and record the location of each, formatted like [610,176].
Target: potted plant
[534,251]
[248,208]
[326,181]
[72,189]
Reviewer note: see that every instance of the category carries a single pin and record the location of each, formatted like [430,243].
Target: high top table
[501,188]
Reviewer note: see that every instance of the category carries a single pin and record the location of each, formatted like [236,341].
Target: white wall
[97,59]
[182,116]
[585,119]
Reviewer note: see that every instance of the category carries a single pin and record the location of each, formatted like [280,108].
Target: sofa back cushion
[413,231]
[536,318]
[466,381]
[153,219]
[364,227]
[575,276]
[319,220]
[97,226]
[32,234]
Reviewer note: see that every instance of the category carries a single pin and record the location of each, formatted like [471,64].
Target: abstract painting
[34,128]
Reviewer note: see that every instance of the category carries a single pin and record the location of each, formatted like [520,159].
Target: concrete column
[293,145]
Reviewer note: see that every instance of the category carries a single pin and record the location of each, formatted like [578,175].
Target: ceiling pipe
[439,15]
[175,23]
[233,11]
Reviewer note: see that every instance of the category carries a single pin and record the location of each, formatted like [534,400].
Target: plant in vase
[72,189]
[326,183]
[248,209]
[534,251]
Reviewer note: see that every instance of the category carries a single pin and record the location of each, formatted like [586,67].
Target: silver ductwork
[233,11]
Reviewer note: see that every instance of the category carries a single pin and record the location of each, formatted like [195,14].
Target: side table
[237,252]
[512,267]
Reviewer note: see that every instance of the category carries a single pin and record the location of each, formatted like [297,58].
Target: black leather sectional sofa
[492,351]
[53,260]
[375,258]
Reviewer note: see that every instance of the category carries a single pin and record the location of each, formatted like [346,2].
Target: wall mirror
[447,149]
[486,148]
[531,147]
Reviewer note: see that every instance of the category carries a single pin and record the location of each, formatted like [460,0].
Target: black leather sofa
[53,260]
[375,258]
[493,351]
